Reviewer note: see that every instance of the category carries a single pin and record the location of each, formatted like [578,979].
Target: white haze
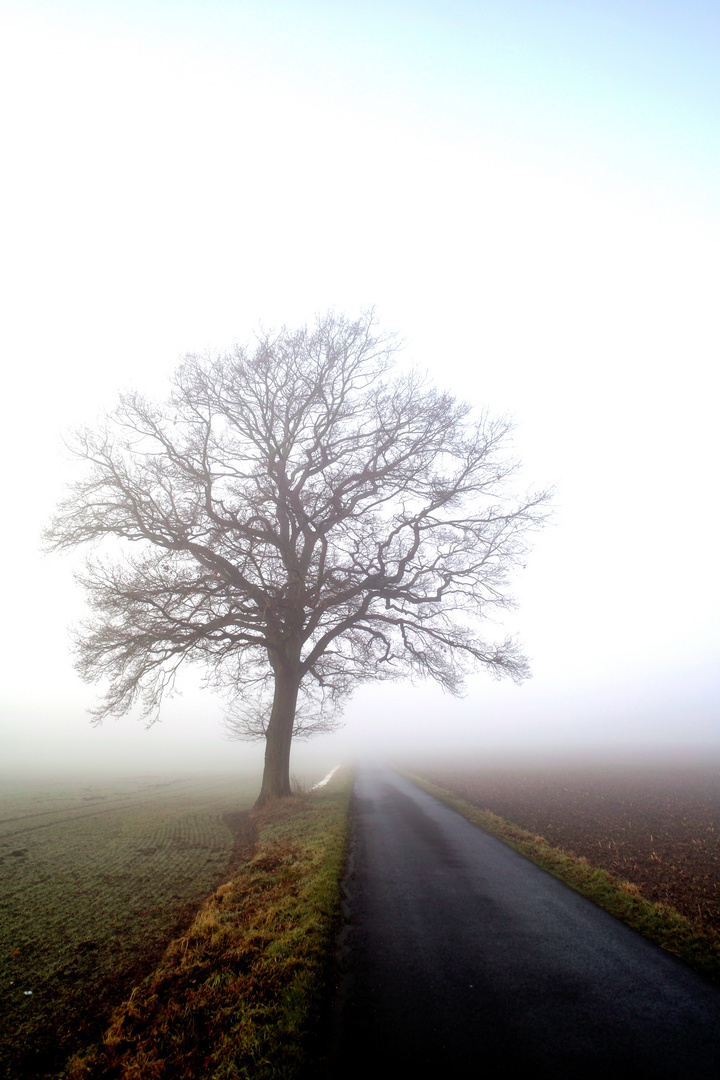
[528,193]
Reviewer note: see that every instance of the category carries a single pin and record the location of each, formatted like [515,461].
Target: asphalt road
[460,958]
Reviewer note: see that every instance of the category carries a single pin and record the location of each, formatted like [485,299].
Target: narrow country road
[462,959]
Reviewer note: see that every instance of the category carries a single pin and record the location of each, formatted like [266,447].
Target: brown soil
[657,828]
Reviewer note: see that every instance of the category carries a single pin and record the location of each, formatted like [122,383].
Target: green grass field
[95,879]
[245,992]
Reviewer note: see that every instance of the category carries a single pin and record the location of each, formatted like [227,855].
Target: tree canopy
[299,519]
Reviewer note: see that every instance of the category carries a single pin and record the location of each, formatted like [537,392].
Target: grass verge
[244,992]
[663,925]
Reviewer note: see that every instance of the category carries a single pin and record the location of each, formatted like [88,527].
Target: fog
[528,194]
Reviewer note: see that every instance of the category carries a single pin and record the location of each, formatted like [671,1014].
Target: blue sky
[527,192]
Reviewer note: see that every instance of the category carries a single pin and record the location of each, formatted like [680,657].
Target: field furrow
[90,895]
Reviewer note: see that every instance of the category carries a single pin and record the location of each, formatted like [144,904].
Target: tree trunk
[278,738]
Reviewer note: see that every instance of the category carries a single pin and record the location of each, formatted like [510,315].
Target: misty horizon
[528,196]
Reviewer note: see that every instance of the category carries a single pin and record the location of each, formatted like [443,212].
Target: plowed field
[95,879]
[658,828]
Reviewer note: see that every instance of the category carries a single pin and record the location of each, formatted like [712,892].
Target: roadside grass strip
[244,993]
[698,948]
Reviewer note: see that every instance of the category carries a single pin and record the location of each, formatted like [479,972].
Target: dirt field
[95,879]
[656,827]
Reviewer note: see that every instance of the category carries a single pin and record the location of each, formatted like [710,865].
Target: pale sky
[528,191]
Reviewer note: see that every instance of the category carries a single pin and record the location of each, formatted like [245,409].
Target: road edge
[659,923]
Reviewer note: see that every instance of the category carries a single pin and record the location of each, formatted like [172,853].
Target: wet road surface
[460,958]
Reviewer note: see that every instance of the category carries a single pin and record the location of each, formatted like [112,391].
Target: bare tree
[303,521]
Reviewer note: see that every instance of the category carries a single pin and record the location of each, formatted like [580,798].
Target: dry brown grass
[243,992]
